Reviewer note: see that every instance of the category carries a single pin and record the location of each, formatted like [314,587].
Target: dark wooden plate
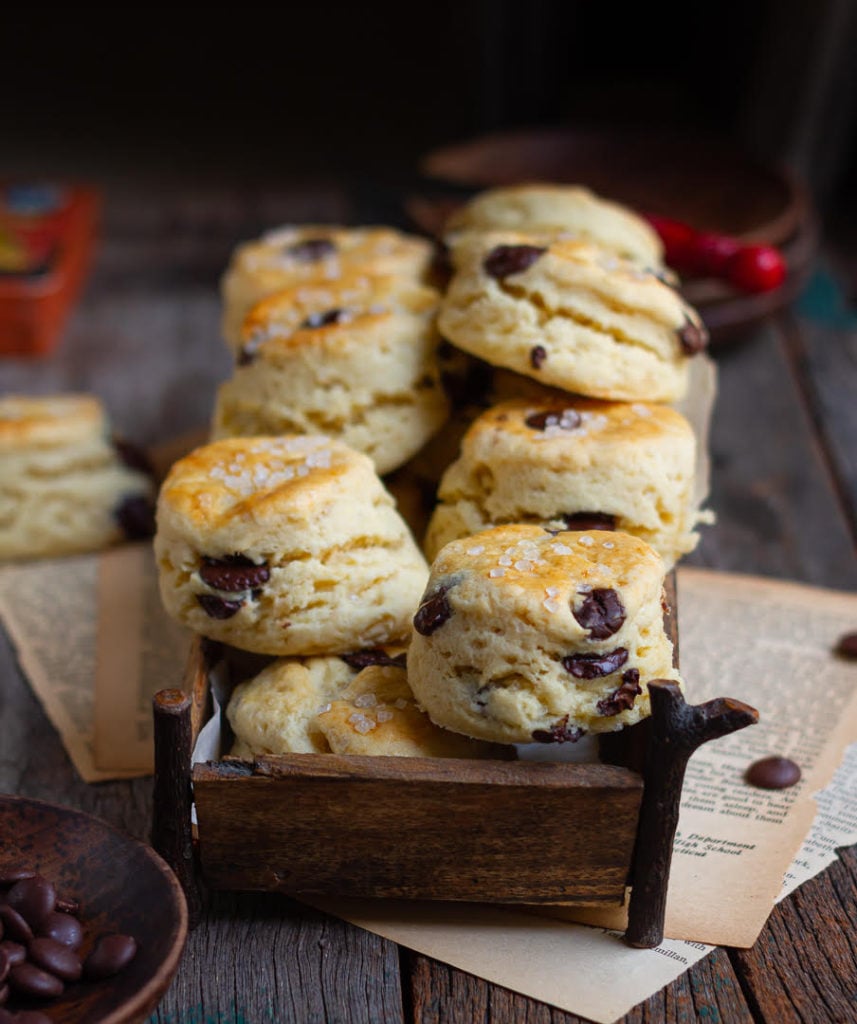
[708,183]
[122,885]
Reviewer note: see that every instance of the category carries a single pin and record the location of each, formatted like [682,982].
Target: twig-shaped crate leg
[676,730]
[172,834]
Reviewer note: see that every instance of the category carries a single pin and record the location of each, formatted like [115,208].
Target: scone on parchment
[559,211]
[285,545]
[526,636]
[290,256]
[377,715]
[571,316]
[65,485]
[354,359]
[574,463]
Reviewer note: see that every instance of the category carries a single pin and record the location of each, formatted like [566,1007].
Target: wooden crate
[430,828]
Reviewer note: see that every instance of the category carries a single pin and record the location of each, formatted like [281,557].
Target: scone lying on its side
[354,359]
[290,256]
[285,545]
[524,635]
[377,714]
[574,463]
[65,485]
[570,316]
[559,211]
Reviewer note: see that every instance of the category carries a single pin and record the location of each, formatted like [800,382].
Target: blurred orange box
[47,236]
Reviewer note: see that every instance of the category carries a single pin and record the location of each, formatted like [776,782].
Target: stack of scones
[566,494]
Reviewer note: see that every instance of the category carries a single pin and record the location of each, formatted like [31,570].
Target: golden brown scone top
[49,420]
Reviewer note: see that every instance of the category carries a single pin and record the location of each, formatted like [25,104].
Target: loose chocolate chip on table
[593,666]
[62,928]
[505,260]
[30,980]
[362,659]
[110,954]
[34,898]
[218,607]
[846,646]
[601,612]
[55,958]
[12,873]
[693,337]
[311,250]
[589,521]
[233,573]
[330,316]
[433,612]
[566,419]
[136,515]
[15,928]
[623,698]
[559,732]
[773,773]
[538,354]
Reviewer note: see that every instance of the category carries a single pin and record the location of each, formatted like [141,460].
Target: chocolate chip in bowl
[107,918]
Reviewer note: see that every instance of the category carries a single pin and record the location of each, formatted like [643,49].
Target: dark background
[313,89]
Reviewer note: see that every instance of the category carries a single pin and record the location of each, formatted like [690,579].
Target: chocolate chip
[31,1017]
[601,612]
[846,646]
[538,354]
[593,666]
[773,773]
[5,966]
[330,316]
[248,351]
[55,958]
[218,607]
[62,928]
[30,980]
[136,515]
[622,698]
[11,873]
[15,928]
[559,732]
[505,260]
[693,337]
[589,521]
[233,573]
[363,659]
[311,250]
[15,952]
[133,456]
[433,611]
[33,898]
[5,1016]
[565,419]
[110,955]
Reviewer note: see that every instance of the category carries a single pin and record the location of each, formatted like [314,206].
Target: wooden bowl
[122,885]
[707,183]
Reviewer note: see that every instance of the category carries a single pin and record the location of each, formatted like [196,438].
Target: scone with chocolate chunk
[377,714]
[65,485]
[527,636]
[559,211]
[574,463]
[285,545]
[571,316]
[290,256]
[355,359]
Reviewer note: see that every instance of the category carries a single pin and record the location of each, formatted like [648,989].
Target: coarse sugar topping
[267,463]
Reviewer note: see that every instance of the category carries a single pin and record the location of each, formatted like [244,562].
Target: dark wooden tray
[428,828]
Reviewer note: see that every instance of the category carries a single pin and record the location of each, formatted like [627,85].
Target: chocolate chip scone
[526,636]
[354,359]
[574,463]
[377,714]
[571,316]
[285,545]
[559,211]
[65,485]
[294,255]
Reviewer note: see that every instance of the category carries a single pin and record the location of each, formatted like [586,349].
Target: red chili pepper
[751,268]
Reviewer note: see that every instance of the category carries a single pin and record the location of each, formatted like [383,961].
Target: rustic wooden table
[784,450]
